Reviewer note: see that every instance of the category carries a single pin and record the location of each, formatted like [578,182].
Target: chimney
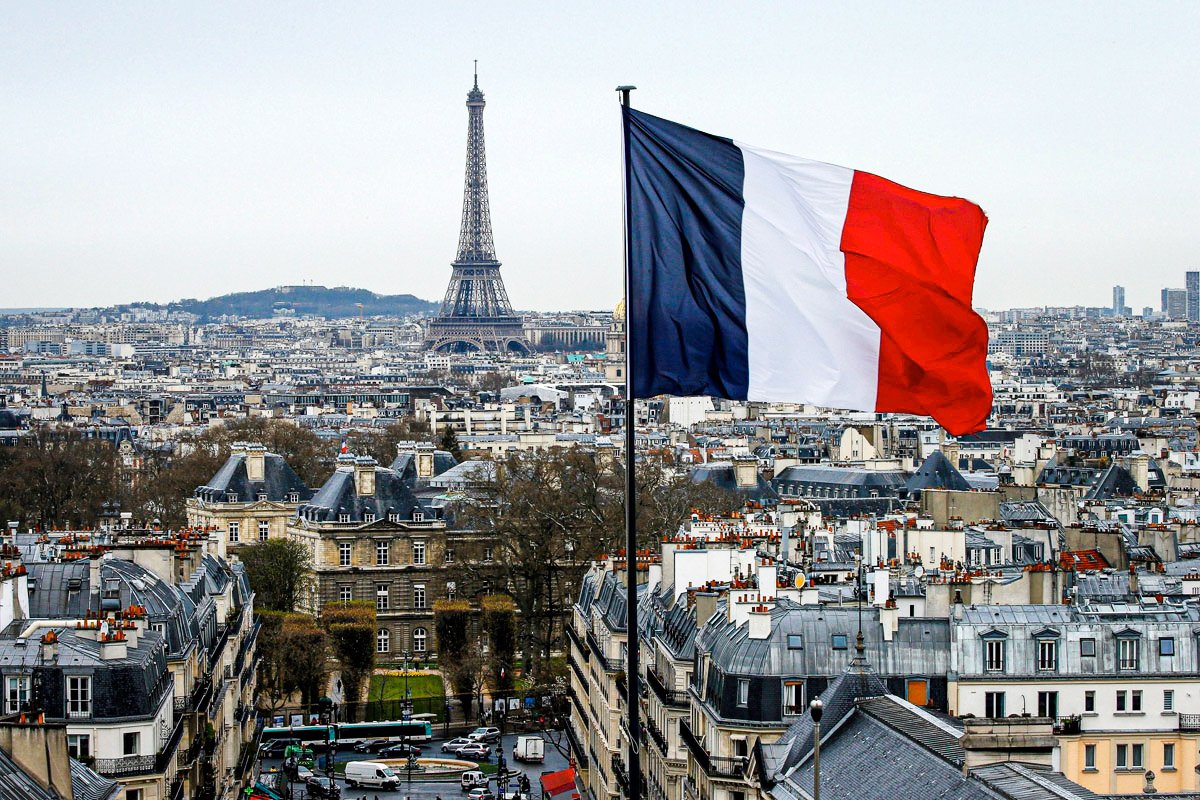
[256,462]
[706,606]
[760,622]
[364,476]
[50,647]
[424,460]
[767,579]
[881,581]
[745,472]
[1139,468]
[951,450]
[889,621]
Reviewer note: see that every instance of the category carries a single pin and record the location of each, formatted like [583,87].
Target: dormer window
[368,517]
[262,496]
[392,516]
[293,497]
[1128,650]
[343,516]
[994,647]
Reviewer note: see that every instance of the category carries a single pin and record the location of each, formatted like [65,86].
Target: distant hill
[339,301]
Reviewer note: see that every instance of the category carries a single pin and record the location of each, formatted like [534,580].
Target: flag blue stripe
[687,304]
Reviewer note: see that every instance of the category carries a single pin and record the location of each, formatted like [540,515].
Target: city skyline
[189,153]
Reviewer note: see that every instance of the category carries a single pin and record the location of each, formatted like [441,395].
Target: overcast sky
[160,151]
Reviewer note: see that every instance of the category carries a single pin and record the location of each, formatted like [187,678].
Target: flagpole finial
[625,90]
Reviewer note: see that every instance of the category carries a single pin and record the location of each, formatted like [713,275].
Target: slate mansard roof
[396,492]
[232,484]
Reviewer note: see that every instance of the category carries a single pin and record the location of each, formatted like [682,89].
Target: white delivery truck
[529,749]
[371,773]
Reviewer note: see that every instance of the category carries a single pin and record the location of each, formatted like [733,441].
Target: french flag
[761,276]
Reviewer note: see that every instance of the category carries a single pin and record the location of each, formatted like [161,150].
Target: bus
[348,734]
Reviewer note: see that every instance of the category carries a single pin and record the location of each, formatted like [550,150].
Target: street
[430,789]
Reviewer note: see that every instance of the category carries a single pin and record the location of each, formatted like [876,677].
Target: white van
[530,749]
[371,773]
[472,778]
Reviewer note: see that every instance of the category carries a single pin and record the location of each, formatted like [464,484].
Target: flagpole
[632,673]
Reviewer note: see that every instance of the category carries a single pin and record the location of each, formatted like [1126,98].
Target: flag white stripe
[806,341]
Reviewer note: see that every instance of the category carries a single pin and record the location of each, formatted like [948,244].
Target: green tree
[279,572]
[292,658]
[500,623]
[448,441]
[351,628]
[455,645]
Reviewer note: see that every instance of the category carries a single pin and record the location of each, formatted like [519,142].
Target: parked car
[322,788]
[399,751]
[371,745]
[454,745]
[477,752]
[481,793]
[485,735]
[275,748]
[472,779]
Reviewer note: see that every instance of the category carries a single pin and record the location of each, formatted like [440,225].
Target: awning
[561,783]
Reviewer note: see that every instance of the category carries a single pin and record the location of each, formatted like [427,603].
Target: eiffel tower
[475,313]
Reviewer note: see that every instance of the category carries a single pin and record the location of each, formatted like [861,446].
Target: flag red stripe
[910,265]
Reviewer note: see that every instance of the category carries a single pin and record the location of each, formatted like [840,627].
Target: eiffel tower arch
[475,314]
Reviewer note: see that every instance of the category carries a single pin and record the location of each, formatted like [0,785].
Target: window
[16,693]
[840,641]
[1122,756]
[1047,704]
[1166,647]
[1122,697]
[1089,756]
[345,594]
[993,703]
[994,655]
[381,554]
[235,531]
[1047,655]
[419,596]
[795,641]
[79,696]
[1168,755]
[381,597]
[1087,647]
[132,743]
[793,698]
[743,691]
[293,497]
[1127,653]
[344,549]
[418,516]
[419,553]
[343,516]
[383,641]
[420,637]
[79,746]
[449,556]
[451,590]
[1136,751]
[1089,701]
[134,794]
[1136,700]
[368,516]
[1168,699]
[264,530]
[487,553]
[262,496]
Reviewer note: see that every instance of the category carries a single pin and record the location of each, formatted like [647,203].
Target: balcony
[656,735]
[620,773]
[1189,722]
[576,668]
[581,758]
[579,645]
[139,765]
[713,766]
[668,697]
[607,664]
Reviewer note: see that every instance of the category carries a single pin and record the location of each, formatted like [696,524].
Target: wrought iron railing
[581,757]
[620,773]
[713,766]
[668,697]
[575,666]
[579,645]
[656,735]
[1189,722]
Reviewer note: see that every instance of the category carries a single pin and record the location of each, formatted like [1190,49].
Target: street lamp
[406,716]
[817,708]
[326,705]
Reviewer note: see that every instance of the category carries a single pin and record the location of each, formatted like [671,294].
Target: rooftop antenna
[477,74]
